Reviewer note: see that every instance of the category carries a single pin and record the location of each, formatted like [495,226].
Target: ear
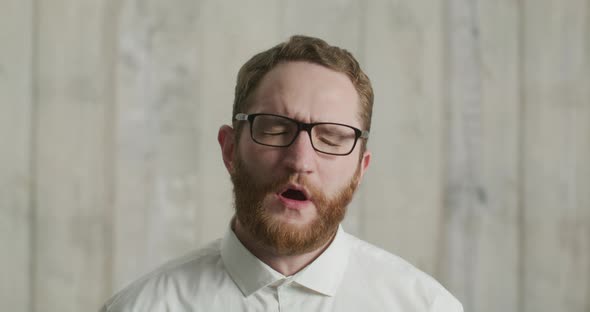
[365,161]
[226,140]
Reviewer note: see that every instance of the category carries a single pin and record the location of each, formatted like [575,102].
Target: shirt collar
[250,274]
[247,271]
[325,273]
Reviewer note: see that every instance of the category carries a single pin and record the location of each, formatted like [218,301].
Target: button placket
[284,294]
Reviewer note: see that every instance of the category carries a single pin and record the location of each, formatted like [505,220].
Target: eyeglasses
[280,131]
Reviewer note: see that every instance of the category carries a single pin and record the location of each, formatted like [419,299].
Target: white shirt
[350,275]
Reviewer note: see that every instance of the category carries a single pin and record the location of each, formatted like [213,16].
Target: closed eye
[275,133]
[328,142]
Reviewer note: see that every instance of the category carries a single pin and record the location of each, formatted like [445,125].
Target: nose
[300,156]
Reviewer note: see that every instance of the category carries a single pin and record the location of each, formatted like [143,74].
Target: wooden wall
[109,163]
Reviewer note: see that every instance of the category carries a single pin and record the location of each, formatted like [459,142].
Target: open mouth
[294,194]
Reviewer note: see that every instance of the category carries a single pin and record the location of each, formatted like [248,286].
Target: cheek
[336,174]
[257,157]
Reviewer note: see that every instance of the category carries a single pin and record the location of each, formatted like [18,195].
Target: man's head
[291,198]
[306,49]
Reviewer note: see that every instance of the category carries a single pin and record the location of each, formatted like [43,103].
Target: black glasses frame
[358,134]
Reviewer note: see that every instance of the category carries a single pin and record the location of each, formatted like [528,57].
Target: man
[296,153]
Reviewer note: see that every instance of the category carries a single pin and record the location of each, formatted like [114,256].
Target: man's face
[292,199]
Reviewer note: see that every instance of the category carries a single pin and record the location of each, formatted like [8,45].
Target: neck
[284,264]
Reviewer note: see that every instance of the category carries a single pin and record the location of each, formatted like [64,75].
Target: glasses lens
[273,130]
[333,139]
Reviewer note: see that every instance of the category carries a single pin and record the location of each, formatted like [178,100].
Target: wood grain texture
[481,259]
[496,219]
[402,198]
[556,151]
[156,203]
[464,199]
[16,110]
[72,219]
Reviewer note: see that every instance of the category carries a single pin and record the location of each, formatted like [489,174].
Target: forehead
[307,92]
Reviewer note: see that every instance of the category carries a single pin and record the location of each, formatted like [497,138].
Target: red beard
[287,239]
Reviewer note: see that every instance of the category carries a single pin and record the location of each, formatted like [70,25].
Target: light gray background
[109,163]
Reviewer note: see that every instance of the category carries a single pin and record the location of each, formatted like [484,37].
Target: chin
[292,220]
[295,217]
[297,225]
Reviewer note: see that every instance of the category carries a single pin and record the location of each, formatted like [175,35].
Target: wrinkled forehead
[307,92]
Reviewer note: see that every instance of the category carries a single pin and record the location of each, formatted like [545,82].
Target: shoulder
[394,277]
[169,282]
[377,260]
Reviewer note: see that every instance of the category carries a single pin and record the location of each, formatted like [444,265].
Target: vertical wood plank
[403,193]
[481,257]
[464,189]
[156,212]
[496,218]
[556,194]
[16,109]
[340,23]
[72,216]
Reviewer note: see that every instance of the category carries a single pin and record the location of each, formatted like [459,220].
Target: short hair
[307,49]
